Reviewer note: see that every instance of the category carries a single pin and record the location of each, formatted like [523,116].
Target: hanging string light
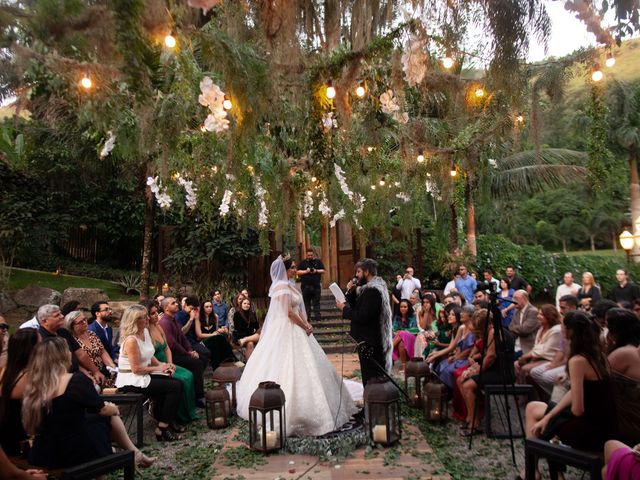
[454,170]
[331,91]
[373,187]
[447,62]
[226,104]
[420,156]
[86,82]
[382,182]
[369,149]
[170,40]
[480,92]
[519,118]
[596,73]
[360,90]
[610,61]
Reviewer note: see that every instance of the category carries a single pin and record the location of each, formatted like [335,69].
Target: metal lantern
[267,430]
[218,407]
[228,372]
[382,411]
[434,401]
[415,374]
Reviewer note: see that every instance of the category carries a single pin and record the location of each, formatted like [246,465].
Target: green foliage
[131,283]
[597,140]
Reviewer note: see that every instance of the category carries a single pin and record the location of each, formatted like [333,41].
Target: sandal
[167,435]
[468,432]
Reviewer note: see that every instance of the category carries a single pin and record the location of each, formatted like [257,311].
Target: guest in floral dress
[77,324]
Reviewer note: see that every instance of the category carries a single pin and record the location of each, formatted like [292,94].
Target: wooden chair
[557,454]
[133,416]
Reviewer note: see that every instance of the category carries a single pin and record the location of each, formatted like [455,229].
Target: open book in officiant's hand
[337,292]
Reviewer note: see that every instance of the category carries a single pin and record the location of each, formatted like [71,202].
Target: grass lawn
[22,278]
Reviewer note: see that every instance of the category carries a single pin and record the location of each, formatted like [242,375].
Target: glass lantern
[228,372]
[267,430]
[382,411]
[218,407]
[434,401]
[415,375]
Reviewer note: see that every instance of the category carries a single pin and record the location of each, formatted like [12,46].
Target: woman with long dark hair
[212,336]
[245,327]
[404,339]
[624,342]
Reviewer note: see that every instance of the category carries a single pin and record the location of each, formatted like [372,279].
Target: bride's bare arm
[295,318]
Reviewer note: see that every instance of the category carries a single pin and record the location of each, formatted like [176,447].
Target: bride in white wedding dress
[317,400]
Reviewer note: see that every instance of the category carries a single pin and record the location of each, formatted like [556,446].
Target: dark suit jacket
[107,340]
[364,313]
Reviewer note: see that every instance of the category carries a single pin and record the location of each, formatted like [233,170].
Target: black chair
[496,393]
[118,461]
[557,454]
[133,416]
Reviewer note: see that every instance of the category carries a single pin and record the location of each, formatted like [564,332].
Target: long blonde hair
[48,363]
[129,321]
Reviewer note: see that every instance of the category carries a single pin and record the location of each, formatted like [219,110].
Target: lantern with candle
[267,430]
[434,401]
[415,375]
[218,407]
[229,373]
[382,411]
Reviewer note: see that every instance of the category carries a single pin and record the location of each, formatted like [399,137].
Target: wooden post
[299,238]
[333,254]
[324,252]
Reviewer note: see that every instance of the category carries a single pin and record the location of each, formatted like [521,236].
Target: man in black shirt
[516,282]
[51,321]
[625,290]
[310,270]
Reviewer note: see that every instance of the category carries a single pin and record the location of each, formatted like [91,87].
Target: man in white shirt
[32,323]
[407,284]
[451,285]
[489,278]
[567,287]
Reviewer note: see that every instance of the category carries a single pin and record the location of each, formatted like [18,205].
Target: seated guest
[77,324]
[458,355]
[235,306]
[220,308]
[548,343]
[246,326]
[621,462]
[4,342]
[101,312]
[183,354]
[69,307]
[567,303]
[599,313]
[589,294]
[213,336]
[495,370]
[442,334]
[524,324]
[12,382]
[416,304]
[427,326]
[69,422]
[187,319]
[505,296]
[452,313]
[51,322]
[403,339]
[140,372]
[585,418]
[187,409]
[624,343]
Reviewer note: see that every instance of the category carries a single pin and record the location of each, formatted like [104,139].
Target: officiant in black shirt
[310,271]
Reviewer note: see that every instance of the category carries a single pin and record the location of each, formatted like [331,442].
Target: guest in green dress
[187,408]
[442,334]
[213,337]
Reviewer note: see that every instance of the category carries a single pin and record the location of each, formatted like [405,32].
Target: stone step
[329,333]
[337,348]
[329,322]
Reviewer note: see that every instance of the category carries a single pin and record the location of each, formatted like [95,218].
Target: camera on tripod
[487,287]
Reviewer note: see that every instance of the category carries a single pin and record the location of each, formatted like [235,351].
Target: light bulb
[331,92]
[428,175]
[170,41]
[480,92]
[373,187]
[454,172]
[86,82]
[597,74]
[360,91]
[369,149]
[381,182]
[314,179]
[226,104]
[203,128]
[610,61]
[447,62]
[420,156]
[520,118]
[310,193]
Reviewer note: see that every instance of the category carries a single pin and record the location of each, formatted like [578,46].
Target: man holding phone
[310,271]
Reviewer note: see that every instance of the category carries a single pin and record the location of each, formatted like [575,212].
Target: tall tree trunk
[471,216]
[332,13]
[564,245]
[635,198]
[453,231]
[614,241]
[592,241]
[147,239]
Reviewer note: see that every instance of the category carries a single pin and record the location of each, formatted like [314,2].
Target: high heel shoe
[167,435]
[178,428]
[143,461]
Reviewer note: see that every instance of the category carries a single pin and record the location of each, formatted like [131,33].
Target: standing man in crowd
[369,311]
[183,354]
[516,282]
[101,313]
[466,284]
[310,271]
[567,287]
[220,308]
[489,278]
[625,290]
[525,322]
[407,284]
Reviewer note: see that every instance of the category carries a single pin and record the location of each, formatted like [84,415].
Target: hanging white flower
[108,144]
[323,206]
[328,122]
[388,102]
[403,196]
[226,200]
[432,189]
[359,203]
[493,163]
[190,192]
[162,197]
[308,206]
[338,216]
[264,211]
[339,173]
[205,5]
[414,60]
[213,97]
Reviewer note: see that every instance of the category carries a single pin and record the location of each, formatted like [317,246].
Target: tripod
[504,357]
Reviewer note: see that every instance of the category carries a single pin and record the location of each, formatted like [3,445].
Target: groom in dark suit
[101,313]
[369,311]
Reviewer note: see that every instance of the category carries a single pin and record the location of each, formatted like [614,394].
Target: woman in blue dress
[504,301]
